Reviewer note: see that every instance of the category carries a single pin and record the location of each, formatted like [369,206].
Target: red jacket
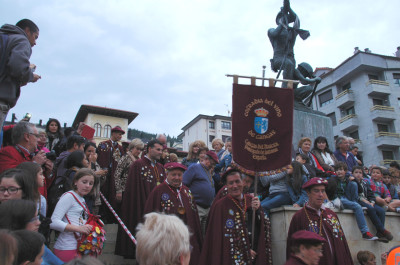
[10,157]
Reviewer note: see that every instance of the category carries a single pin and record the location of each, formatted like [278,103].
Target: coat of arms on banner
[261,121]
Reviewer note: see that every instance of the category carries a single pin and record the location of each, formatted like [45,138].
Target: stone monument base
[310,123]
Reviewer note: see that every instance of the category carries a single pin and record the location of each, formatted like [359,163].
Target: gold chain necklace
[243,210]
[312,226]
[209,175]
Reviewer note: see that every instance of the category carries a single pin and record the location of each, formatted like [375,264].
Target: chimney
[65,125]
[40,122]
[356,49]
[398,52]
[367,50]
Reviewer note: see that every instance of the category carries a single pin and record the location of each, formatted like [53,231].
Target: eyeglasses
[10,190]
[34,219]
[35,134]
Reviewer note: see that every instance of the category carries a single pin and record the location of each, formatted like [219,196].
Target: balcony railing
[390,134]
[347,91]
[388,161]
[347,117]
[377,82]
[381,107]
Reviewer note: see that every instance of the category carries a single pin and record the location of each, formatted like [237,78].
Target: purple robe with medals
[227,239]
[143,177]
[335,251]
[164,199]
[108,157]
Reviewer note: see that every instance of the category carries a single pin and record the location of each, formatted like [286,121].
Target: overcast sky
[167,60]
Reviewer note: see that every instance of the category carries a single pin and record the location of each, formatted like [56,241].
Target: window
[354,135]
[345,87]
[373,77]
[332,116]
[377,101]
[226,125]
[325,98]
[97,130]
[211,125]
[383,127]
[396,77]
[224,137]
[107,131]
[348,111]
[387,155]
[211,138]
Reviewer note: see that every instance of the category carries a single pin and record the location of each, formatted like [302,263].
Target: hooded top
[17,71]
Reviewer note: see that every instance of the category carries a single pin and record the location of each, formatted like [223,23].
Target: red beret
[117,129]
[174,165]
[228,172]
[314,182]
[304,237]
[213,156]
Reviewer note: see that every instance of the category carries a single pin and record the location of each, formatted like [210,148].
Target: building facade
[362,98]
[102,120]
[206,128]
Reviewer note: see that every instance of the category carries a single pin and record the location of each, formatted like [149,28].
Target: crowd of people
[57,180]
[52,179]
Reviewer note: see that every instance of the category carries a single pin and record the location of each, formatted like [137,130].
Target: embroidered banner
[262,127]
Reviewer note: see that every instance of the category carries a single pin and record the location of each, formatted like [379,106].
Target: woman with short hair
[135,147]
[162,239]
[218,146]
[304,147]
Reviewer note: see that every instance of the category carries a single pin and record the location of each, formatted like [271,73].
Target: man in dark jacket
[15,68]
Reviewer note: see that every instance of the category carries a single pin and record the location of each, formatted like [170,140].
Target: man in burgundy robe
[171,197]
[144,175]
[109,153]
[318,219]
[228,237]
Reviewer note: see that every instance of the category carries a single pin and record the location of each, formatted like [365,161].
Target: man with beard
[171,197]
[144,175]
[229,233]
[316,218]
[198,178]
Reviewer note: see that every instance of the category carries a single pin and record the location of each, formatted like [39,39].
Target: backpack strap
[84,207]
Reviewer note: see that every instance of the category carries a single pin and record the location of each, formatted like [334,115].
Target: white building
[362,98]
[206,128]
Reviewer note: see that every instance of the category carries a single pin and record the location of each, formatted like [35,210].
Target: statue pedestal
[310,123]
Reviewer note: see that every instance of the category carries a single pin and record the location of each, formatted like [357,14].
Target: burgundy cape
[293,260]
[142,179]
[108,157]
[163,199]
[331,230]
[227,240]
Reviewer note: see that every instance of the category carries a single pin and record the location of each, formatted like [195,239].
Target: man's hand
[118,196]
[36,78]
[48,165]
[253,254]
[40,158]
[255,203]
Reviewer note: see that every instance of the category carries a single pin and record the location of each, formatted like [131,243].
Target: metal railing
[347,117]
[388,161]
[390,134]
[381,107]
[377,82]
[347,91]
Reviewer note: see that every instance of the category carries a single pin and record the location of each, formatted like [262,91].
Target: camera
[51,155]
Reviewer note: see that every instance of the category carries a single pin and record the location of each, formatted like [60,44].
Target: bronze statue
[283,39]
